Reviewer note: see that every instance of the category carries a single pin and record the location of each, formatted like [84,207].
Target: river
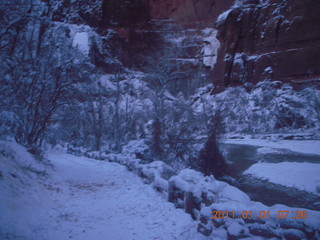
[241,157]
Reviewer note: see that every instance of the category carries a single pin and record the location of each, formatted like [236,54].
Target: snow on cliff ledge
[211,46]
[81,42]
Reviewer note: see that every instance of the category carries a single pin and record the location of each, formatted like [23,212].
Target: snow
[220,234]
[106,81]
[268,70]
[135,146]
[160,183]
[19,160]
[81,42]
[210,49]
[81,198]
[223,16]
[189,60]
[300,146]
[238,60]
[155,169]
[193,181]
[303,176]
[267,150]
[234,194]
[88,199]
[235,229]
[177,40]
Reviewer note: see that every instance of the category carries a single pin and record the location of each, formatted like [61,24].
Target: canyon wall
[139,12]
[273,40]
[188,11]
[259,39]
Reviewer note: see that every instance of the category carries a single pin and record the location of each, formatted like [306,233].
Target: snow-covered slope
[304,176]
[89,199]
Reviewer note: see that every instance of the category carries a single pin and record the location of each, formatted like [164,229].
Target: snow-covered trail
[88,199]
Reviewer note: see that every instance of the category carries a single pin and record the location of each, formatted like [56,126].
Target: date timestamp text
[262,214]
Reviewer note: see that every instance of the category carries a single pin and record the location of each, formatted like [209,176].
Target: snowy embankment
[80,198]
[301,175]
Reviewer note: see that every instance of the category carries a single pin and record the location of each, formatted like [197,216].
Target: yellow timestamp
[260,215]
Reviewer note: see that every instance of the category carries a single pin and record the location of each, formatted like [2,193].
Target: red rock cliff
[187,11]
[276,39]
[131,13]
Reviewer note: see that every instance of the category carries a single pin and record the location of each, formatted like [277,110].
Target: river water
[241,157]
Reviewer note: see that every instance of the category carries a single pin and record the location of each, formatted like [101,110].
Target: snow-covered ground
[303,176]
[82,198]
[71,197]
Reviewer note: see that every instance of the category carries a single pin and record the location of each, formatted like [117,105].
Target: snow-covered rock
[211,46]
[303,176]
[81,42]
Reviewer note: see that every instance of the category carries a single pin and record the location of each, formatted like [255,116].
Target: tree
[94,113]
[156,134]
[38,77]
[161,72]
[211,160]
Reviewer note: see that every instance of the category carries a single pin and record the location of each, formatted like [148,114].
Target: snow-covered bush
[18,163]
[268,107]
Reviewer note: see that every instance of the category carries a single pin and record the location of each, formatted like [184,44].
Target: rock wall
[188,11]
[184,28]
[259,39]
[275,40]
[144,30]
[183,11]
[190,53]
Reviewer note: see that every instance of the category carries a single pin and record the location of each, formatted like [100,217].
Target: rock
[220,233]
[188,11]
[172,192]
[278,40]
[294,234]
[140,12]
[203,219]
[124,13]
[219,222]
[235,229]
[261,230]
[204,230]
[190,204]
